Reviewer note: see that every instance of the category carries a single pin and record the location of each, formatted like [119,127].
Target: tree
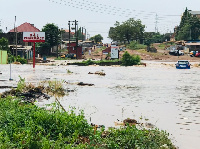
[52,34]
[129,60]
[4,44]
[152,37]
[127,31]
[42,48]
[97,38]
[1,31]
[80,35]
[189,28]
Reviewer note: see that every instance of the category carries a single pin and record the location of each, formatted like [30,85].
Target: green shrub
[11,58]
[132,137]
[88,62]
[24,125]
[135,46]
[27,126]
[21,60]
[129,60]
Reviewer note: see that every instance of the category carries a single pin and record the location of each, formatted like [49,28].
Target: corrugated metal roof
[26,27]
[195,12]
[193,44]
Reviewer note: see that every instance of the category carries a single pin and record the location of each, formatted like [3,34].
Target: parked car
[183,64]
[197,54]
[72,56]
[175,52]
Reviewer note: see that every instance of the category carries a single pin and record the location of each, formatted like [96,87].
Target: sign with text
[114,51]
[34,36]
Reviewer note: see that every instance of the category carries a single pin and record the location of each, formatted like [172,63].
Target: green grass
[24,125]
[90,62]
[60,58]
[27,126]
[135,46]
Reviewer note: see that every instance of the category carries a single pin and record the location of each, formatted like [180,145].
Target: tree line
[189,28]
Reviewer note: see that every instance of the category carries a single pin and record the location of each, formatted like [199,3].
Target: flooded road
[164,96]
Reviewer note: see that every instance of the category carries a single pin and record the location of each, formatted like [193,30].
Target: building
[193,45]
[195,13]
[24,49]
[25,27]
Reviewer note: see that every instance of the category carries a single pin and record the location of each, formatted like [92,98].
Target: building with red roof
[23,48]
[25,27]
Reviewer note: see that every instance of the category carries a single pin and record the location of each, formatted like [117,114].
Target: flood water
[167,97]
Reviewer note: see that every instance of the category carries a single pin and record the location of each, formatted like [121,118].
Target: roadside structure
[3,57]
[195,13]
[23,49]
[193,45]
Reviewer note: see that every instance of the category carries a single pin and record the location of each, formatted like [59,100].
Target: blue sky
[97,16]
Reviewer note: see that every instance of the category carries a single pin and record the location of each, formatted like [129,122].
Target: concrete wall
[3,57]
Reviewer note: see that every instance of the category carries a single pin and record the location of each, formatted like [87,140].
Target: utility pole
[69,34]
[61,37]
[156,24]
[57,44]
[16,37]
[76,33]
[85,34]
[82,34]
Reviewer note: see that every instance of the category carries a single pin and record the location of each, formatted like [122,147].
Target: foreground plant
[24,125]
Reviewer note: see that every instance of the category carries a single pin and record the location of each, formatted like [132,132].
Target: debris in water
[84,84]
[98,73]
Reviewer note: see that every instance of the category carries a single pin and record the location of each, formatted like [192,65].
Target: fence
[3,57]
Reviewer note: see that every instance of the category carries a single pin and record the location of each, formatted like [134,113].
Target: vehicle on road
[72,56]
[182,64]
[195,53]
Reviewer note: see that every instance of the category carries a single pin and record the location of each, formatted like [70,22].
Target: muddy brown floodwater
[164,96]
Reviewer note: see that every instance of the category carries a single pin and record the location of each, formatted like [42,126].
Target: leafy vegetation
[90,62]
[129,60]
[62,58]
[21,60]
[27,126]
[135,46]
[24,125]
[4,44]
[52,36]
[127,31]
[97,38]
[189,28]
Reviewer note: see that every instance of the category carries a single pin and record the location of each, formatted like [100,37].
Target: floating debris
[5,86]
[149,125]
[125,122]
[84,84]
[98,73]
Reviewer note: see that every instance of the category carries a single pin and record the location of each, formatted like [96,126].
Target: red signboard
[34,37]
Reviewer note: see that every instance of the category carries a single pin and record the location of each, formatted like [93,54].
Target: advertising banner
[114,51]
[34,36]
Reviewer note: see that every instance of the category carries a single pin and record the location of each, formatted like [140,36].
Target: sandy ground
[161,55]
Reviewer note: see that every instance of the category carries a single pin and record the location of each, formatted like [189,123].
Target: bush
[88,62]
[135,46]
[27,126]
[129,60]
[24,125]
[21,60]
